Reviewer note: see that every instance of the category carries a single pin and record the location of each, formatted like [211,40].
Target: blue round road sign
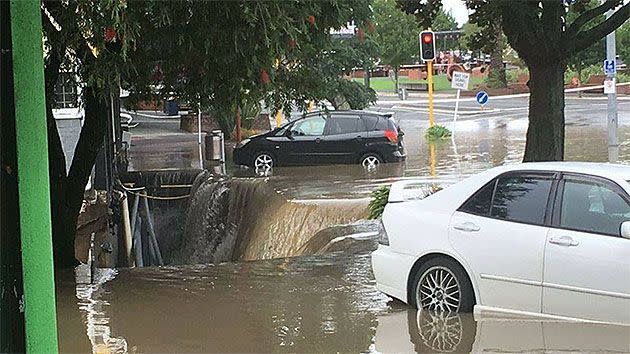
[482,97]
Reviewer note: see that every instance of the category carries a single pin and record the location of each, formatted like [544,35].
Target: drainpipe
[33,185]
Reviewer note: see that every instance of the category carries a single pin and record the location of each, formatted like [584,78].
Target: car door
[587,262]
[343,139]
[501,232]
[305,137]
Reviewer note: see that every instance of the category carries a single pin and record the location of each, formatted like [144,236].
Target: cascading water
[244,219]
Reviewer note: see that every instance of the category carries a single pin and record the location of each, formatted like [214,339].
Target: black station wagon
[336,137]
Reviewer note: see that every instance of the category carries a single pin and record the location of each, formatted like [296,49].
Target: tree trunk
[545,134]
[366,75]
[88,146]
[396,79]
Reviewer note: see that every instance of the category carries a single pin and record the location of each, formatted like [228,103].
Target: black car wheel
[371,161]
[442,285]
[264,161]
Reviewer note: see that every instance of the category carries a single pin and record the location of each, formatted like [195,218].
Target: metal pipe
[137,242]
[152,239]
[134,213]
[33,182]
[126,229]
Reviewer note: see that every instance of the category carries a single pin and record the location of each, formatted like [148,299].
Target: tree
[484,34]
[396,35]
[208,52]
[623,42]
[539,33]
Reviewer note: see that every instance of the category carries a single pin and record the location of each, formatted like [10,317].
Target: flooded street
[314,301]
[306,304]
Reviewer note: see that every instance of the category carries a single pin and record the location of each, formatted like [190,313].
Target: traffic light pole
[33,184]
[430,84]
[613,143]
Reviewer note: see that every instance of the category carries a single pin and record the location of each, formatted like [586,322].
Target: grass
[440,83]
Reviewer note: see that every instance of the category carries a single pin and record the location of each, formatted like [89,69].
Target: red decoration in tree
[292,43]
[371,27]
[264,76]
[360,34]
[110,34]
[311,20]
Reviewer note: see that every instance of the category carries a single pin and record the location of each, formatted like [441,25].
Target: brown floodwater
[322,302]
[325,303]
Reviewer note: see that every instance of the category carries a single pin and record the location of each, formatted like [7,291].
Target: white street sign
[609,86]
[460,80]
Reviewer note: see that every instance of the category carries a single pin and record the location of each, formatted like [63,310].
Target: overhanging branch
[584,39]
[591,14]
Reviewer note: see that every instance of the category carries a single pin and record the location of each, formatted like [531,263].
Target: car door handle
[564,241]
[467,227]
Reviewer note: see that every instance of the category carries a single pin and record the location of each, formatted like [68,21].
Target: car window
[370,122]
[479,203]
[382,124]
[521,199]
[313,126]
[590,206]
[345,125]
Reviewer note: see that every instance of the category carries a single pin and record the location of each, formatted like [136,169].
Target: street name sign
[460,80]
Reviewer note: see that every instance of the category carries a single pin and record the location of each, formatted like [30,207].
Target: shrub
[381,195]
[437,132]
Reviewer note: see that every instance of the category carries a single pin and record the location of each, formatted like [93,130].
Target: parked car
[545,239]
[336,137]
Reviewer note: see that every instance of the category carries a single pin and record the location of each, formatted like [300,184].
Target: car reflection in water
[432,332]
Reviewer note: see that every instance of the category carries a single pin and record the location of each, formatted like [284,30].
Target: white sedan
[545,239]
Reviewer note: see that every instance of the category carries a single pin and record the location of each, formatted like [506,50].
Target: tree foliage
[396,35]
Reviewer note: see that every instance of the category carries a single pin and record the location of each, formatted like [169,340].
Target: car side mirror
[289,134]
[625,229]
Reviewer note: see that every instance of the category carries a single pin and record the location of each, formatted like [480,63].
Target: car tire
[264,160]
[441,284]
[370,160]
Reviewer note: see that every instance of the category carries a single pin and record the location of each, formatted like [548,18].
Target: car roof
[608,170]
[350,112]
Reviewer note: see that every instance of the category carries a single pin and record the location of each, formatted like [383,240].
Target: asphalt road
[588,110]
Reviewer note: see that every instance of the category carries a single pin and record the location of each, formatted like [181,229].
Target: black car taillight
[392,136]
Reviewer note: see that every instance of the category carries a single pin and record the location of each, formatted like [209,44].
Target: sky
[458,9]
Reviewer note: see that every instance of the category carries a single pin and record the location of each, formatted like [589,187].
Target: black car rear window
[343,125]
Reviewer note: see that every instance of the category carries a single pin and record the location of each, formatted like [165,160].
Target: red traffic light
[427,38]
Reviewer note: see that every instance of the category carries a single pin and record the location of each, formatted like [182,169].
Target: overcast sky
[458,9]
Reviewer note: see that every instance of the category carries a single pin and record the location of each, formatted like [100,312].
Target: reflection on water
[325,303]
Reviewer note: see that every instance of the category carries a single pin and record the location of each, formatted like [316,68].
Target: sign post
[459,82]
[430,83]
[610,68]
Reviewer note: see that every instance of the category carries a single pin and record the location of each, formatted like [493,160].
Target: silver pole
[199,136]
[613,144]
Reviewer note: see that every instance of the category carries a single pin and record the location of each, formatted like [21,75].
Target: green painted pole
[34,191]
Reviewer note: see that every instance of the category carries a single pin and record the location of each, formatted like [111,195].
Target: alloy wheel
[263,162]
[370,162]
[438,290]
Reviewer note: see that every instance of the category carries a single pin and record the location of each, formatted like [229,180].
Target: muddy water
[325,303]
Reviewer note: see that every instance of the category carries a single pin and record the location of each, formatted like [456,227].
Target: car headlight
[242,143]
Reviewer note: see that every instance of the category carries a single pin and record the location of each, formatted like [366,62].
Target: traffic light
[427,45]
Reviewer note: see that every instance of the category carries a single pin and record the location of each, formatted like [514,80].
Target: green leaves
[437,132]
[378,202]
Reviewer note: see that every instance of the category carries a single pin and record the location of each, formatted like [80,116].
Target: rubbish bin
[171,108]
[215,148]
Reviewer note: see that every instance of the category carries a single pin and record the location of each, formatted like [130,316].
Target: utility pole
[611,54]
